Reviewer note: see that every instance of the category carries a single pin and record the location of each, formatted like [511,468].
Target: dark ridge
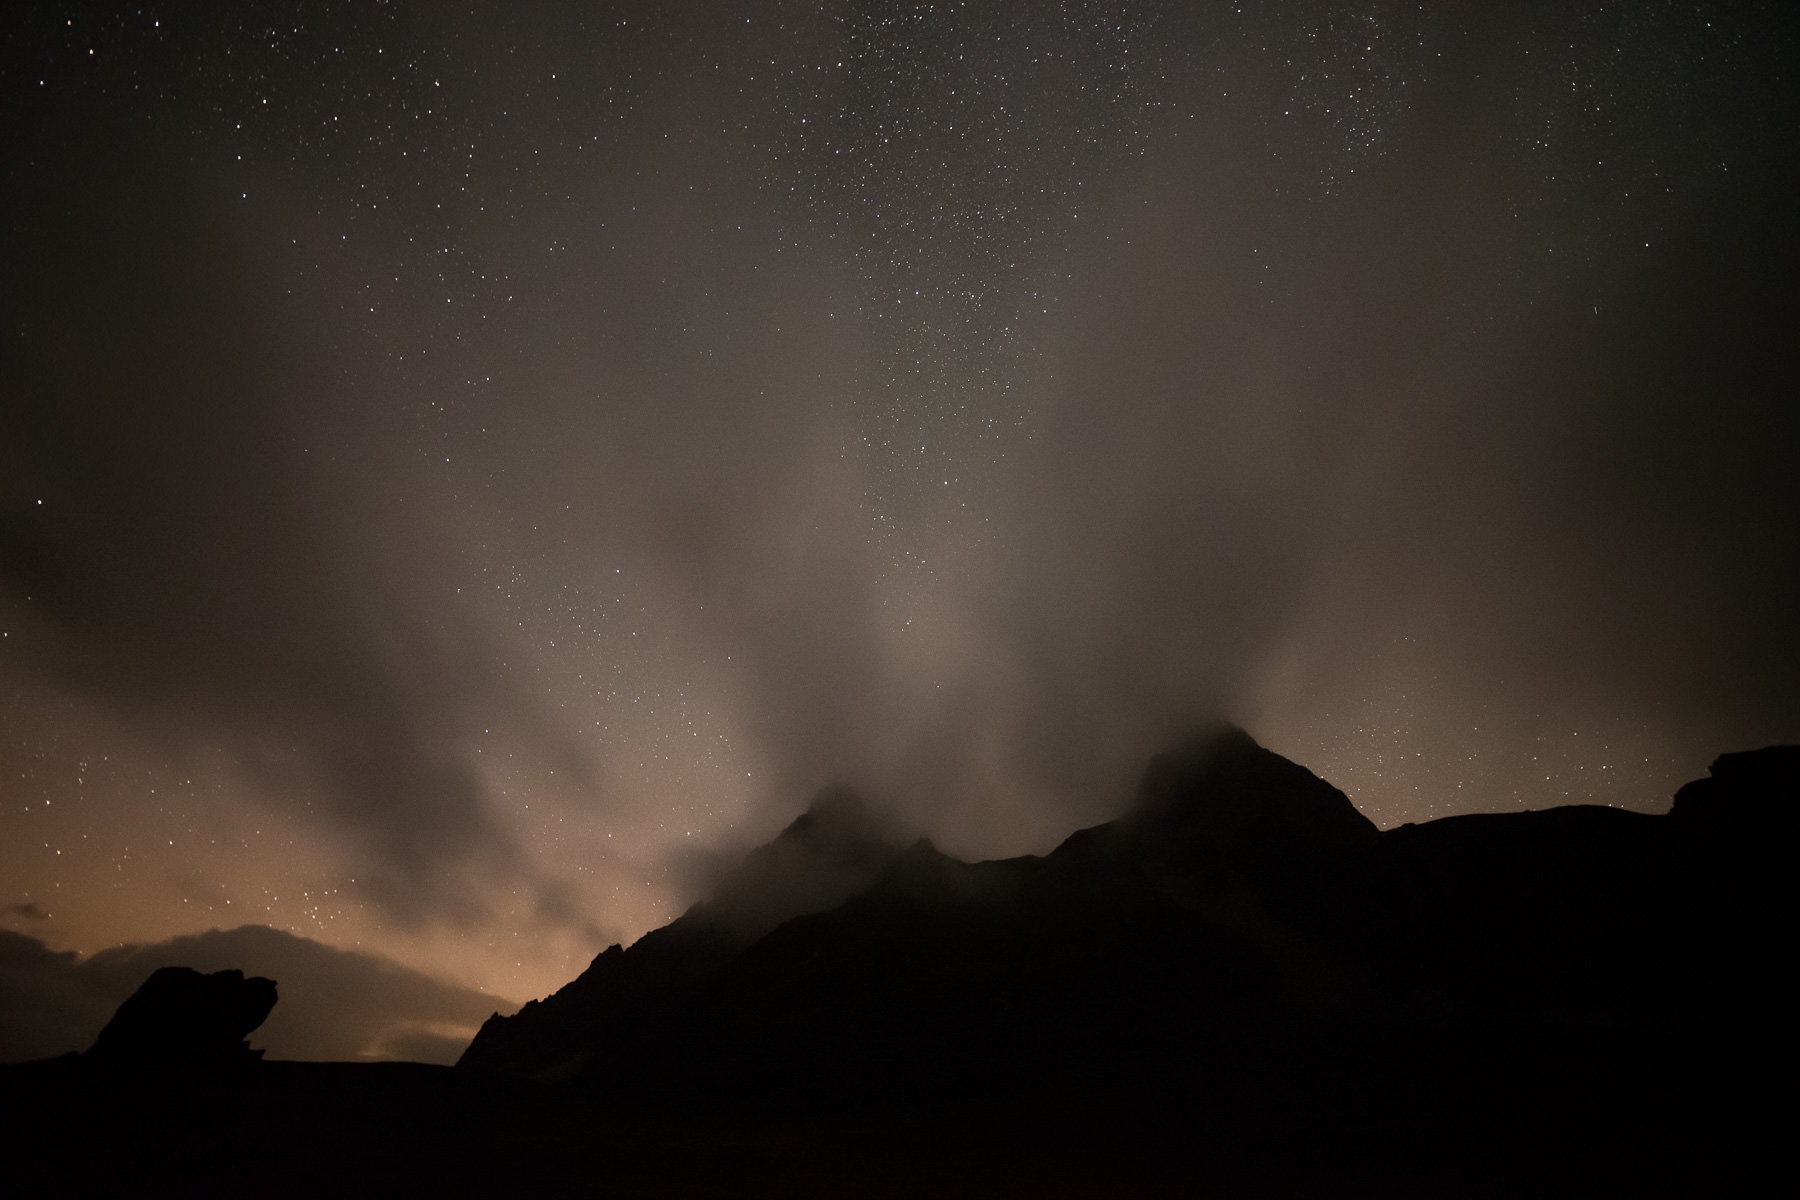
[833,850]
[1240,909]
[1238,987]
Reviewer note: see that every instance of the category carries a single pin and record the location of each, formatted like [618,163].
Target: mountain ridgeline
[1239,987]
[1241,931]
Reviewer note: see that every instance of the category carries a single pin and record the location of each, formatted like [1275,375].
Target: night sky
[466,469]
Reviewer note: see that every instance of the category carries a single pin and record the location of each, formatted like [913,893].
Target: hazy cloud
[1406,398]
[207,536]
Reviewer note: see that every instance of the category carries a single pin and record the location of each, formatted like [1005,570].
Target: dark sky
[463,467]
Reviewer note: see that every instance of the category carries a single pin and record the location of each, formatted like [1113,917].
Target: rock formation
[180,1017]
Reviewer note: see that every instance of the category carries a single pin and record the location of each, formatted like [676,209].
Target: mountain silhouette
[830,852]
[913,972]
[1239,987]
[1240,930]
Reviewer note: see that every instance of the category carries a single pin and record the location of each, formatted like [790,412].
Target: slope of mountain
[1239,987]
[1117,949]
[833,850]
[1242,926]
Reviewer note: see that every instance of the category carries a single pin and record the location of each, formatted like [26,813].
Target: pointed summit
[1220,806]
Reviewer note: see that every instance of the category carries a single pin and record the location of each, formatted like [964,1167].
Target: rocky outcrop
[180,1017]
[1755,789]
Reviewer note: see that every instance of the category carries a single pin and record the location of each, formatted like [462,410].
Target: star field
[467,470]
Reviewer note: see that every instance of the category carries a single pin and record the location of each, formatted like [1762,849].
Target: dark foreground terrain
[1239,988]
[1509,1126]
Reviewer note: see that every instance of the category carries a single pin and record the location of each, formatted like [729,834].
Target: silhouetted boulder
[1738,909]
[181,1017]
[1754,789]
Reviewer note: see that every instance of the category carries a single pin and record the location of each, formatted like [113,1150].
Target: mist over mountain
[1241,926]
[835,850]
[470,473]
[694,407]
[1240,985]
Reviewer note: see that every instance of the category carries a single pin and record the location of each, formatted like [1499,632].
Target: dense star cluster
[462,470]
